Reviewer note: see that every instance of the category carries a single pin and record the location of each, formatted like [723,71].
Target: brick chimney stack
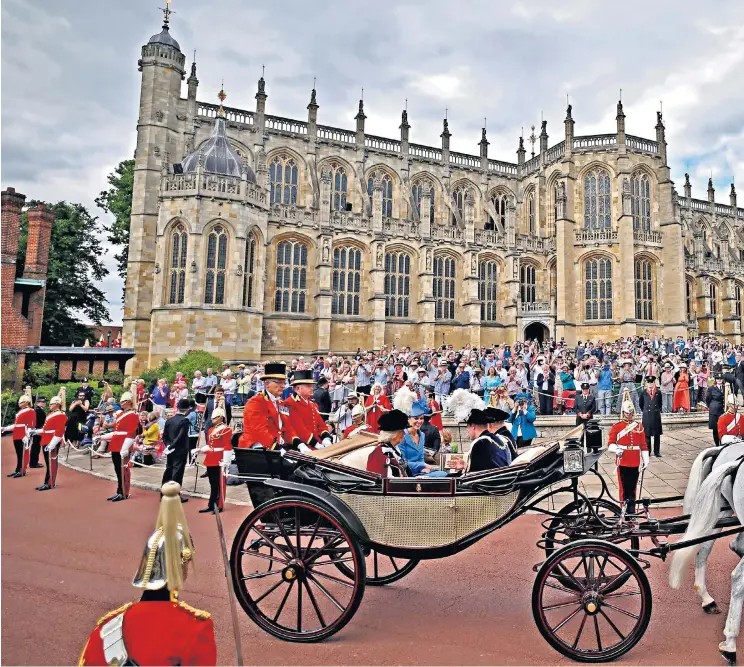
[14,327]
[40,220]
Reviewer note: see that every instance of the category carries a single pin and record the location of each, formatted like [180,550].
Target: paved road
[68,557]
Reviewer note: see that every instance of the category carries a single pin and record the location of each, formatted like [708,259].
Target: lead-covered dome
[164,37]
[219,156]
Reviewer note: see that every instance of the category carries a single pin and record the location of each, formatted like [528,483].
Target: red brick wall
[40,222]
[65,371]
[98,367]
[14,330]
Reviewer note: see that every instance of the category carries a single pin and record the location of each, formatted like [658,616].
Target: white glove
[302,447]
[327,442]
[7,429]
[169,451]
[107,436]
[645,459]
[55,441]
[126,446]
[204,449]
[36,431]
[226,459]
[612,449]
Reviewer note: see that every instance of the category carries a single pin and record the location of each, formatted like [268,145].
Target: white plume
[404,399]
[462,402]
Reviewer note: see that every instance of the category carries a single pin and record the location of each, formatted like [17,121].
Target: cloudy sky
[70,85]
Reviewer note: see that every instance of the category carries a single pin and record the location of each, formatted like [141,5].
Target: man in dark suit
[176,440]
[545,383]
[36,439]
[650,403]
[586,405]
[714,399]
[322,398]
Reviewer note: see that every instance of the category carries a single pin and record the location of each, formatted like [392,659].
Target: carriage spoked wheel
[381,569]
[594,620]
[283,564]
[575,521]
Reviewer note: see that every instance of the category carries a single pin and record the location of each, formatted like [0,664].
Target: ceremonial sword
[230,590]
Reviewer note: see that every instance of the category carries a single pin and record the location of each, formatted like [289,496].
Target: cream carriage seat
[531,454]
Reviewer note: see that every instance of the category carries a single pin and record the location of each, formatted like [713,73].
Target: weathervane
[221,96]
[532,139]
[167,11]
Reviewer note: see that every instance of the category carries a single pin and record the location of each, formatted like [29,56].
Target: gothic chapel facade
[255,236]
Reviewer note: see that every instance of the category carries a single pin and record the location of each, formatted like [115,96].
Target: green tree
[117,201]
[75,274]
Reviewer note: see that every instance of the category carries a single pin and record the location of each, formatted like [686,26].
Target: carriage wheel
[577,514]
[283,564]
[382,569]
[595,620]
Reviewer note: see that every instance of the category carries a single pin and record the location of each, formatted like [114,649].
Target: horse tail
[706,510]
[699,471]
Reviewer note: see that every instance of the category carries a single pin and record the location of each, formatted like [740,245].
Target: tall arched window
[531,214]
[444,287]
[397,284]
[690,300]
[488,289]
[500,203]
[714,304]
[527,283]
[458,201]
[249,299]
[644,294]
[737,301]
[291,277]
[179,248]
[387,192]
[599,289]
[417,191]
[597,200]
[283,176]
[214,288]
[338,186]
[641,202]
[553,212]
[347,279]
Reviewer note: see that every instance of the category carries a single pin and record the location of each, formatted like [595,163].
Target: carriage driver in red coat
[304,428]
[627,441]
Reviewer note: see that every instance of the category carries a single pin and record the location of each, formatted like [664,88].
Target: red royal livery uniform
[262,422]
[125,427]
[354,429]
[24,419]
[53,426]
[219,441]
[728,424]
[304,423]
[154,633]
[630,439]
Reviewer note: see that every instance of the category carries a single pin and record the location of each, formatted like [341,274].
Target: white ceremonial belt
[120,432]
[628,448]
[112,637]
[52,432]
[216,449]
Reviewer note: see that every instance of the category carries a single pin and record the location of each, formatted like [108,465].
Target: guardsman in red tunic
[121,441]
[264,415]
[24,424]
[627,441]
[731,423]
[218,454]
[51,439]
[304,428]
[159,629]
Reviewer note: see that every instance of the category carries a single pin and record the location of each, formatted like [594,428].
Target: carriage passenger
[487,450]
[412,444]
[386,459]
[497,426]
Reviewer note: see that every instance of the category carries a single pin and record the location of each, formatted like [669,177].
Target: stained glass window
[488,289]
[397,284]
[444,288]
[291,277]
[347,278]
[417,190]
[249,274]
[283,176]
[387,192]
[644,290]
[214,291]
[598,284]
[597,200]
[641,202]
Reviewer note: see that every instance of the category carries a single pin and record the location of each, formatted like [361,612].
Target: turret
[568,125]
[360,118]
[520,151]
[620,118]
[732,196]
[260,120]
[661,138]
[404,128]
[312,115]
[192,81]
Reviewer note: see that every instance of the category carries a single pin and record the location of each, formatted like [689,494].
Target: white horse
[724,482]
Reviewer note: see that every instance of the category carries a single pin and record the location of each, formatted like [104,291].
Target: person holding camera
[523,421]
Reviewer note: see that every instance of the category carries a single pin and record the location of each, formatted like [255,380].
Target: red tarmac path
[68,557]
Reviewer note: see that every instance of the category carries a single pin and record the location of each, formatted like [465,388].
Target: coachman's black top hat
[303,377]
[275,371]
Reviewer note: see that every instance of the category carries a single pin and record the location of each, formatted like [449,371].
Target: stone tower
[163,68]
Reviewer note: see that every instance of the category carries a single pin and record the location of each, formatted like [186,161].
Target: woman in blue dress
[489,384]
[412,445]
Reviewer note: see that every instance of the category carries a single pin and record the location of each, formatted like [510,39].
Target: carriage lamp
[573,456]
[593,436]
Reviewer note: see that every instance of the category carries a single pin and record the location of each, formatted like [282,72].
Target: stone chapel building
[256,237]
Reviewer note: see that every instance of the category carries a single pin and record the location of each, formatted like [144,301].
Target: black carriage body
[413,518]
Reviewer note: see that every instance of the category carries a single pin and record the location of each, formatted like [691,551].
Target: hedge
[194,360]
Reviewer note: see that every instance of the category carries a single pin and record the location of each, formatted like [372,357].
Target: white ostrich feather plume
[404,399]
[462,402]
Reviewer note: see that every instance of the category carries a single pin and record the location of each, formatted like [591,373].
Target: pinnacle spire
[222,95]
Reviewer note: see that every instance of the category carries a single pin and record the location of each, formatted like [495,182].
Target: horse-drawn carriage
[321,531]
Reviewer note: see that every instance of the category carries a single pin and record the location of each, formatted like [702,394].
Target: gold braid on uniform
[116,612]
[199,613]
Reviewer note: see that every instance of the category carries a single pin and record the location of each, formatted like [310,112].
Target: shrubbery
[194,360]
